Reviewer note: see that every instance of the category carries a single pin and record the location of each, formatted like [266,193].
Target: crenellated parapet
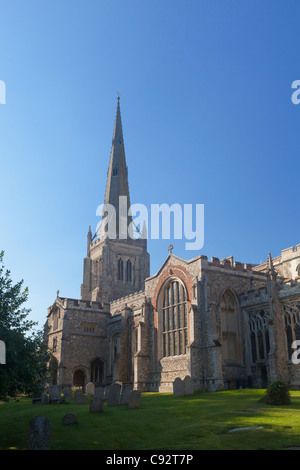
[229,263]
[70,304]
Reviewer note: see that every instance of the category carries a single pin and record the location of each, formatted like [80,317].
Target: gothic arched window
[230,327]
[128,271]
[97,368]
[55,318]
[120,269]
[174,317]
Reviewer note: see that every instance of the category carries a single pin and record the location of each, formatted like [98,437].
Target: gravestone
[114,395]
[44,400]
[188,385]
[100,392]
[126,391]
[39,433]
[54,392]
[96,405]
[55,395]
[70,418]
[106,392]
[134,399]
[90,389]
[36,398]
[67,391]
[178,387]
[79,398]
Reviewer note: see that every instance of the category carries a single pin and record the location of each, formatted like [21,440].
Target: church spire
[117,175]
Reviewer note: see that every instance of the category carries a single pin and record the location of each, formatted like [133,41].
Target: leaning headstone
[67,391]
[178,387]
[70,418]
[188,385]
[126,391]
[114,395]
[96,405]
[39,433]
[134,399]
[99,392]
[79,399]
[90,389]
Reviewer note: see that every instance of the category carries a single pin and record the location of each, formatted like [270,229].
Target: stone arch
[79,376]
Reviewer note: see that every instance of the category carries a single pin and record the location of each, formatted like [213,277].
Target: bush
[277,393]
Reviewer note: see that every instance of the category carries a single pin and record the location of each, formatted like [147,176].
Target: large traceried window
[292,324]
[230,328]
[174,319]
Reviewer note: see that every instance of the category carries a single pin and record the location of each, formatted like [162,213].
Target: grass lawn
[199,421]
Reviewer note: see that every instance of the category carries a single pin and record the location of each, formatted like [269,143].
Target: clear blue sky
[207,118]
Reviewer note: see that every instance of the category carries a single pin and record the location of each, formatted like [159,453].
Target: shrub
[277,393]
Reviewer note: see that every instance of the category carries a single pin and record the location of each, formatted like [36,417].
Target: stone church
[224,323]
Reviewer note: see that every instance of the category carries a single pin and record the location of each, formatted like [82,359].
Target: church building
[224,323]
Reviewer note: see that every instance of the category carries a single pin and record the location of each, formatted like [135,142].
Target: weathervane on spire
[118,95]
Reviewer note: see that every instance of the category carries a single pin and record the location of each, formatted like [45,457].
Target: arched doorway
[78,378]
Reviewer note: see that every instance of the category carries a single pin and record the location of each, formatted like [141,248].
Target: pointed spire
[117,175]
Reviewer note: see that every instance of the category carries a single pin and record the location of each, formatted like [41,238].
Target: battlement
[287,252]
[229,263]
[286,255]
[83,304]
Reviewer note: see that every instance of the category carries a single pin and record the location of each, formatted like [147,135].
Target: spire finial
[170,248]
[118,96]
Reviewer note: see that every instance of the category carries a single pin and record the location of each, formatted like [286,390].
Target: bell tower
[116,264]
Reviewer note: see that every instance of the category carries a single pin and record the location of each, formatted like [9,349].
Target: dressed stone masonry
[223,323]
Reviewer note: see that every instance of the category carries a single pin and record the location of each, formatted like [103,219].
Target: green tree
[25,370]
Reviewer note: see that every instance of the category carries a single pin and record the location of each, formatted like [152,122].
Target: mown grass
[199,421]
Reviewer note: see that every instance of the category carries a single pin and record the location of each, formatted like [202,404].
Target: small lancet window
[128,271]
[120,269]
[115,171]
